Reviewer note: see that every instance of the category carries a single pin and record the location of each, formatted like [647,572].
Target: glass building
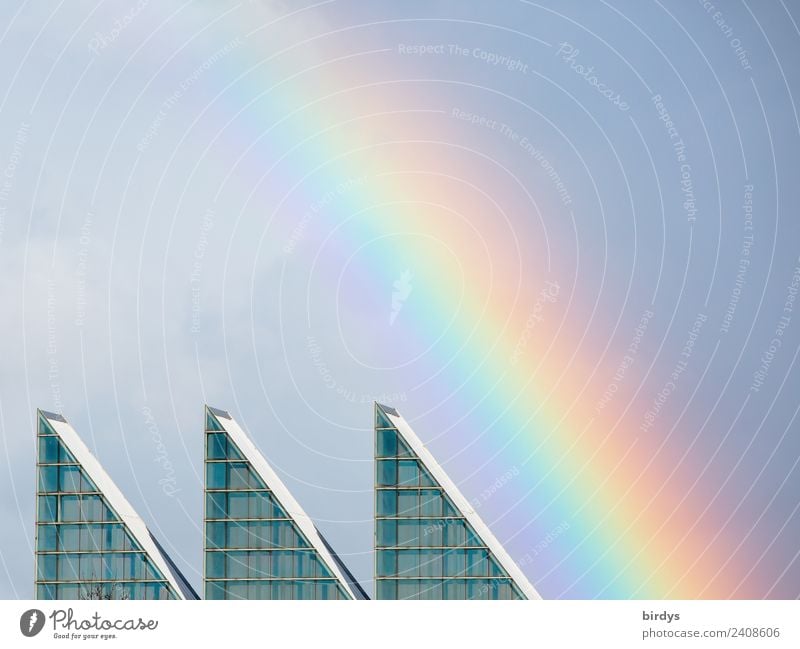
[429,542]
[259,543]
[90,543]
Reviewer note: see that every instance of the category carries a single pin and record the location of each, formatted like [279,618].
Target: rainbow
[632,530]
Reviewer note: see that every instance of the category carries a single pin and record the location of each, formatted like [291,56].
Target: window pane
[477,564]
[237,590]
[326,590]
[430,589]
[381,421]
[259,590]
[407,502]
[215,475]
[387,563]
[46,537]
[408,533]
[282,563]
[277,510]
[215,535]
[387,443]
[236,565]
[69,537]
[215,564]
[430,503]
[402,448]
[387,472]
[387,502]
[260,505]
[70,508]
[472,539]
[455,562]
[408,563]
[260,565]
[425,478]
[212,423]
[494,568]
[68,567]
[387,589]
[387,532]
[407,473]
[215,505]
[407,589]
[216,446]
[432,532]
[238,475]
[477,589]
[48,449]
[48,478]
[46,591]
[238,535]
[92,508]
[454,533]
[430,563]
[304,590]
[48,508]
[305,563]
[239,505]
[448,508]
[47,567]
[215,590]
[455,589]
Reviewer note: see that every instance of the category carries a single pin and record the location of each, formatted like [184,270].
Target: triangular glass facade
[84,549]
[425,546]
[254,549]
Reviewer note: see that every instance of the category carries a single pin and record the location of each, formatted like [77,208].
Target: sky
[561,238]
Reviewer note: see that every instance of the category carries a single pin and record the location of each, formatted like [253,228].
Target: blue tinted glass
[69,537]
[408,563]
[215,475]
[212,423]
[472,538]
[68,567]
[46,591]
[48,450]
[48,478]
[46,537]
[217,446]
[238,535]
[387,532]
[215,505]
[260,505]
[237,590]
[403,450]
[304,590]
[236,565]
[259,590]
[407,589]
[215,564]
[260,564]
[407,473]
[477,589]
[387,472]
[455,562]
[430,589]
[386,563]
[239,505]
[455,534]
[47,567]
[494,568]
[407,501]
[305,563]
[387,502]
[408,533]
[455,589]
[477,563]
[215,535]
[239,475]
[430,563]
[70,508]
[282,563]
[48,508]
[387,443]
[430,502]
[381,421]
[326,590]
[425,478]
[448,508]
[431,532]
[387,589]
[69,479]
[215,590]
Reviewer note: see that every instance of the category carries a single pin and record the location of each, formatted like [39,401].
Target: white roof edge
[118,502]
[461,502]
[288,502]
